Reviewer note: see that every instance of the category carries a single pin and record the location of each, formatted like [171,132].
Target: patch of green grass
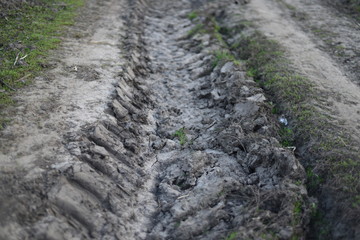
[177,224]
[298,209]
[191,16]
[181,135]
[251,72]
[286,137]
[199,28]
[356,201]
[269,236]
[26,36]
[322,33]
[231,236]
[313,179]
[223,56]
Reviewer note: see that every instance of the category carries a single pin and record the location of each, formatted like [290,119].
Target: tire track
[130,177]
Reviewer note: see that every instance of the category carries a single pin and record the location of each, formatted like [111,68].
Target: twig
[211,125]
[23,78]
[183,196]
[7,85]
[22,58]
[291,148]
[17,58]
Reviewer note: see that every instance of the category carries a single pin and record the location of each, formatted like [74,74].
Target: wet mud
[148,139]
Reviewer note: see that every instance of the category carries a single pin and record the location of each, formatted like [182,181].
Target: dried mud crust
[129,176]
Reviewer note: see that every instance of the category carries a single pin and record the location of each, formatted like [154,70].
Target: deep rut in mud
[185,151]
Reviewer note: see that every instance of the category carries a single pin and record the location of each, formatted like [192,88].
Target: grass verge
[27,33]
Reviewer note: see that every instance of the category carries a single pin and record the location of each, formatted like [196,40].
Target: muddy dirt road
[134,133]
[334,69]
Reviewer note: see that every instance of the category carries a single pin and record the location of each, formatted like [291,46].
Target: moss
[29,34]
[181,135]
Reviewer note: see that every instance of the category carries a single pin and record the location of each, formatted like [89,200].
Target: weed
[298,209]
[191,16]
[199,28]
[269,236]
[251,72]
[313,180]
[224,56]
[181,135]
[177,224]
[298,182]
[313,209]
[287,137]
[231,236]
[356,202]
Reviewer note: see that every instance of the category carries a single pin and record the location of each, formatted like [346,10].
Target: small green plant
[224,56]
[297,208]
[356,203]
[313,209]
[191,16]
[313,180]
[181,135]
[177,224]
[199,28]
[231,236]
[287,137]
[251,72]
[298,182]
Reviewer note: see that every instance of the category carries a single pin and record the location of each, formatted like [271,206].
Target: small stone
[257,98]
[228,67]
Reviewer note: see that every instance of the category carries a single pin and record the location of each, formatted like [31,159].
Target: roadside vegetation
[28,30]
[327,151]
